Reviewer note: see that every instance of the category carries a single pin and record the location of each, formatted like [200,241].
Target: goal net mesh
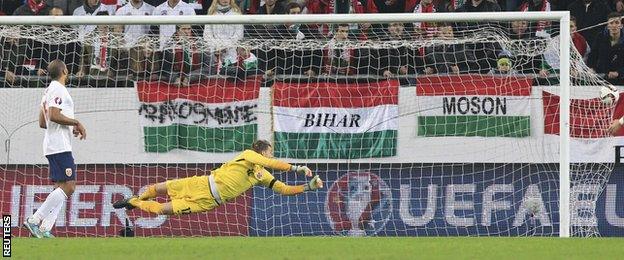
[417,129]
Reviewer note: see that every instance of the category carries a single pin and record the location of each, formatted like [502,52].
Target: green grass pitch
[317,248]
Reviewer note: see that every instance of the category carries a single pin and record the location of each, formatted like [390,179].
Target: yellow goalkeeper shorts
[190,195]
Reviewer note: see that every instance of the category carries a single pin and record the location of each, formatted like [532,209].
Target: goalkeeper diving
[203,193]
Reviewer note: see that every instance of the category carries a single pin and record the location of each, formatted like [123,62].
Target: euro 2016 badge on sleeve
[68,172]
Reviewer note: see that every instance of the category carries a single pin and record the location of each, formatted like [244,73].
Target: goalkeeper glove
[314,184]
[302,169]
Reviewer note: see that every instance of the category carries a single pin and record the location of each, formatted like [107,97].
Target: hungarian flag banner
[335,120]
[213,116]
[474,105]
[589,118]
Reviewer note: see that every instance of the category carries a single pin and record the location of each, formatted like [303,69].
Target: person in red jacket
[339,59]
[579,41]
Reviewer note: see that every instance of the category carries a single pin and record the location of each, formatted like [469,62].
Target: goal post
[564,127]
[377,155]
[281,19]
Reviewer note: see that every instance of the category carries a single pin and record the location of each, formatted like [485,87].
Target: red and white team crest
[358,204]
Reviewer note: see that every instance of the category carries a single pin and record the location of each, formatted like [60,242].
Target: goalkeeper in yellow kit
[203,193]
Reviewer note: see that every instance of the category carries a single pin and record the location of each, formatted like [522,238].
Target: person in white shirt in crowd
[135,36]
[90,7]
[171,7]
[100,52]
[224,38]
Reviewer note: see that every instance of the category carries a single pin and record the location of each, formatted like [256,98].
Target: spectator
[343,60]
[22,54]
[504,65]
[537,5]
[519,30]
[577,39]
[271,7]
[550,62]
[90,7]
[185,62]
[342,7]
[607,51]
[589,13]
[100,55]
[398,60]
[479,6]
[224,37]
[296,31]
[446,5]
[425,6]
[197,5]
[617,6]
[485,53]
[448,58]
[8,7]
[246,64]
[68,6]
[307,61]
[46,52]
[33,7]
[266,31]
[111,6]
[135,36]
[395,6]
[476,6]
[8,57]
[171,7]
[338,59]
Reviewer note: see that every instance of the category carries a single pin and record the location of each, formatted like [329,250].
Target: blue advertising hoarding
[434,200]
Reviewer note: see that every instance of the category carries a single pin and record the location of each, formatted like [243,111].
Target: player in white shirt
[171,7]
[56,116]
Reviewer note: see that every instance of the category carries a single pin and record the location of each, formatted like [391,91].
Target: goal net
[418,128]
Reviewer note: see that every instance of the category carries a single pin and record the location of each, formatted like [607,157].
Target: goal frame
[563,17]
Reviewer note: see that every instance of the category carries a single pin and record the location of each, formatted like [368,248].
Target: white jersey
[57,138]
[166,31]
[132,33]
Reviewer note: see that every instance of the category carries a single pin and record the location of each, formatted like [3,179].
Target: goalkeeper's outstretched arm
[261,153]
[289,190]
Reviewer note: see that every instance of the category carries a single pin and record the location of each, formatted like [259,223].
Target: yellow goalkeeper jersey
[245,171]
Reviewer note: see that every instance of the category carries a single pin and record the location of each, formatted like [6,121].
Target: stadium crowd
[179,58]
